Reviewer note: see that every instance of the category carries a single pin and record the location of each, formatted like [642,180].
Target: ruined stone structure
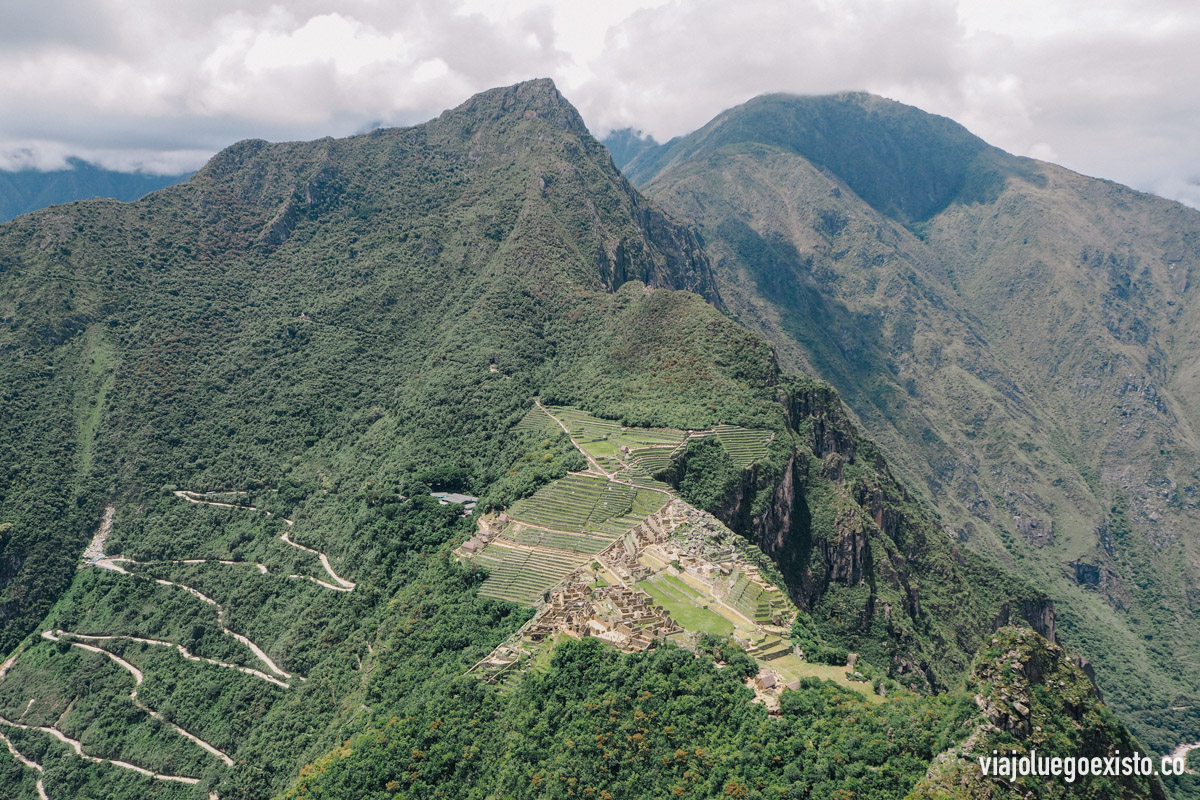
[626,618]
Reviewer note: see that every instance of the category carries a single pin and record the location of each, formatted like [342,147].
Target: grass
[685,612]
[792,668]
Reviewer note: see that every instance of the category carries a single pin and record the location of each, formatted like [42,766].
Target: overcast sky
[1106,87]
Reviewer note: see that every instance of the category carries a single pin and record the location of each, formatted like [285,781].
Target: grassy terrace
[538,421]
[521,575]
[575,542]
[744,445]
[562,525]
[587,504]
[575,503]
[752,599]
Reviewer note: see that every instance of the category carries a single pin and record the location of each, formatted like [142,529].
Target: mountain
[1019,339]
[28,190]
[626,144]
[319,466]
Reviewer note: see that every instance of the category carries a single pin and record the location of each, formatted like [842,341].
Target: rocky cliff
[858,551]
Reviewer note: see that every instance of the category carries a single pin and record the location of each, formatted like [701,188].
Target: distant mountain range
[28,190]
[1022,340]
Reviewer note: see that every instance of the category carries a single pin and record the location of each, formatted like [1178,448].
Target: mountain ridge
[1018,341]
[312,338]
[23,191]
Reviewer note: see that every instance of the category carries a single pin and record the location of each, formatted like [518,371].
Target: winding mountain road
[75,745]
[343,585]
[114,562]
[183,651]
[55,636]
[33,765]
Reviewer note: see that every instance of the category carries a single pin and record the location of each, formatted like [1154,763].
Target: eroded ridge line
[137,681]
[345,585]
[183,651]
[75,745]
[95,549]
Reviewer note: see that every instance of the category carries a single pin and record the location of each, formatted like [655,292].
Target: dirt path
[33,765]
[4,668]
[75,745]
[343,585]
[595,464]
[262,568]
[1182,751]
[114,563]
[612,476]
[137,681]
[183,651]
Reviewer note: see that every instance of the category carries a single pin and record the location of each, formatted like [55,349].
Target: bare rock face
[1038,613]
[865,557]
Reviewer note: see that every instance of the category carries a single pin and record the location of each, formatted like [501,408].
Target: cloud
[1107,88]
[173,82]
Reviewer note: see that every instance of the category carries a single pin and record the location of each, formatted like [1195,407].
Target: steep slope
[28,190]
[243,389]
[1017,337]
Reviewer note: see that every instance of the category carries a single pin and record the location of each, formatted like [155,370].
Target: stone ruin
[625,618]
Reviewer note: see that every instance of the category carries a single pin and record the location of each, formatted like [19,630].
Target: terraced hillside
[543,538]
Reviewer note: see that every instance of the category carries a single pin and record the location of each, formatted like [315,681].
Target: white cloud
[1106,88]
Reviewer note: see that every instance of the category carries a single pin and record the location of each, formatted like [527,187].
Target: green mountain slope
[243,389]
[28,190]
[1016,337]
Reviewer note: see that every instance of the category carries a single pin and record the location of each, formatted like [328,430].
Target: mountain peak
[536,98]
[905,162]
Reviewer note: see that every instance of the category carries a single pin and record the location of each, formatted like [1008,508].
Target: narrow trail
[133,696]
[343,585]
[114,563]
[75,745]
[612,476]
[33,765]
[4,668]
[262,568]
[595,464]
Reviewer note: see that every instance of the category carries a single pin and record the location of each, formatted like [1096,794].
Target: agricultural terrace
[557,530]
[568,522]
[538,421]
[522,574]
[744,445]
[649,450]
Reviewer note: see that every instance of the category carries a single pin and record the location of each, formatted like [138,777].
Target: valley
[440,462]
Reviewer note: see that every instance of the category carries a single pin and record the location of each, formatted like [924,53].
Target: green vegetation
[320,333]
[1009,332]
[661,724]
[685,606]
